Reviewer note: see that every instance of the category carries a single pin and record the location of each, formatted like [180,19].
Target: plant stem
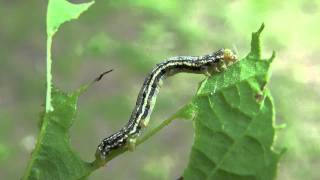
[49,75]
[99,162]
[156,129]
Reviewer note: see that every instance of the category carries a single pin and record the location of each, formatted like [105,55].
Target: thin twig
[85,87]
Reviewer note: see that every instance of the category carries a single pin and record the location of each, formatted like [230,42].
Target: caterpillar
[139,118]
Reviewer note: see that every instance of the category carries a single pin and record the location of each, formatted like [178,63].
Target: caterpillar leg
[213,69]
[144,122]
[222,66]
[160,83]
[132,144]
[207,73]
[230,63]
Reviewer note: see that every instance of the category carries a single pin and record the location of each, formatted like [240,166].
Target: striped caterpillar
[206,64]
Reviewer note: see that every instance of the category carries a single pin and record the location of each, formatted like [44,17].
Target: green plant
[232,113]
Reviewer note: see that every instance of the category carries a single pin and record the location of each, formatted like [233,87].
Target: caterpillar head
[226,56]
[229,57]
[222,59]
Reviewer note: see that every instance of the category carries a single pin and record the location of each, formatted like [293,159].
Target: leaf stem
[49,75]
[156,129]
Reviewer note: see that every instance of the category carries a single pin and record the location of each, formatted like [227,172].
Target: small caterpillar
[206,64]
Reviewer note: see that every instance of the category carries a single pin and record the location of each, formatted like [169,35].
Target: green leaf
[234,124]
[61,11]
[53,157]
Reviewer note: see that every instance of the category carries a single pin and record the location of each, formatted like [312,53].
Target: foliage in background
[233,121]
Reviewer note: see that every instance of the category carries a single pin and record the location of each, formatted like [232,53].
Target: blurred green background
[131,37]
